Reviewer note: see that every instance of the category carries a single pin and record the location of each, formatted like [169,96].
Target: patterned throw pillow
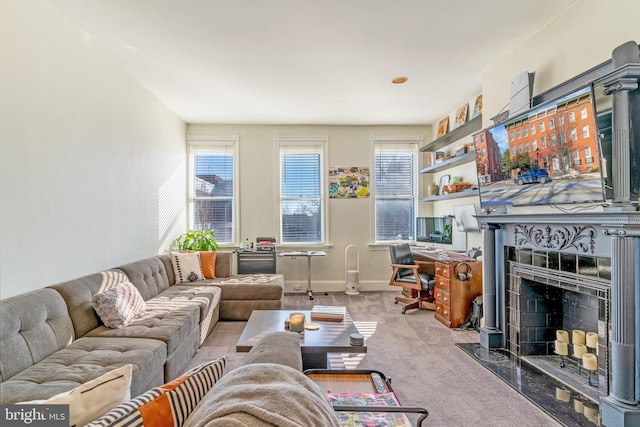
[119,305]
[94,398]
[186,266]
[168,405]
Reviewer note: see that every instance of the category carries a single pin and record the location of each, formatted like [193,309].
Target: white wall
[581,38]
[349,220]
[92,166]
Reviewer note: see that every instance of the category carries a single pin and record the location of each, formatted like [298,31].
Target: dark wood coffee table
[332,337]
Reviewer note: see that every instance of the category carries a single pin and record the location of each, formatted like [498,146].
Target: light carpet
[418,353]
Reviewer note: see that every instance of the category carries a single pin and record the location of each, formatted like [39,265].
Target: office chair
[417,285]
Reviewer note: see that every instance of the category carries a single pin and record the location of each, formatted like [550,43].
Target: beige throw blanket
[264,394]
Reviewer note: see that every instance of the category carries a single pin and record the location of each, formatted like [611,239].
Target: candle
[590,362]
[561,348]
[592,340]
[563,394]
[562,336]
[591,413]
[296,322]
[578,405]
[577,336]
[579,350]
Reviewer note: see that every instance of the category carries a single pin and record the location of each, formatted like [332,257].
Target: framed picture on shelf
[461,115]
[443,127]
[477,107]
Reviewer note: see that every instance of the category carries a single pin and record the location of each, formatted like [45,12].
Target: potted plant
[196,240]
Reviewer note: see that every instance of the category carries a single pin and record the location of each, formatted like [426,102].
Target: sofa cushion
[148,275]
[281,347]
[167,405]
[186,266]
[168,323]
[94,398]
[32,327]
[78,293]
[252,287]
[84,360]
[206,298]
[118,306]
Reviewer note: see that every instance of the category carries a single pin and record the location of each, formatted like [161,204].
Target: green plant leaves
[196,240]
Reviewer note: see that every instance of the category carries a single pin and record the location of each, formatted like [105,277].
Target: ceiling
[311,61]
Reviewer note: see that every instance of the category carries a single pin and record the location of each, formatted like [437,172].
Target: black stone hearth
[561,402]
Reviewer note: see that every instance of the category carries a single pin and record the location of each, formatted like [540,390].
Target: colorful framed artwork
[348,182]
[443,127]
[477,107]
[461,115]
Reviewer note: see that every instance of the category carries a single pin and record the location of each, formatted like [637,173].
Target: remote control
[378,382]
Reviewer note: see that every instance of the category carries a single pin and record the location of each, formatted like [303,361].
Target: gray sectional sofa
[52,340]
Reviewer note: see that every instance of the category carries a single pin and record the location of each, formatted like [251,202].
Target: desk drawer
[443,297]
[442,283]
[443,312]
[443,270]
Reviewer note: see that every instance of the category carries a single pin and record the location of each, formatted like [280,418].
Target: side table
[309,255]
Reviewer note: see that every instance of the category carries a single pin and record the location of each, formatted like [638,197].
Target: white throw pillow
[95,398]
[119,305]
[186,266]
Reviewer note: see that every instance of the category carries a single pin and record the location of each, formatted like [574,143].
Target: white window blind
[212,175]
[396,189]
[301,192]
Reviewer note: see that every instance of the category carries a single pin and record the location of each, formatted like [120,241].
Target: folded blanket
[264,394]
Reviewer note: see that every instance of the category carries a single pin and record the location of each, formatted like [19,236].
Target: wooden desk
[453,293]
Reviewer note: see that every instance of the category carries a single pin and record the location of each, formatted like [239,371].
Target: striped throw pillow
[168,405]
[119,305]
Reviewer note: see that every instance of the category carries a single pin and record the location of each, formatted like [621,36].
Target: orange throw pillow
[208,263]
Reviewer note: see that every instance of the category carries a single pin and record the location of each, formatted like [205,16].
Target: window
[534,144]
[302,195]
[572,116]
[541,126]
[587,155]
[552,124]
[554,139]
[519,134]
[574,134]
[585,131]
[395,171]
[533,129]
[482,138]
[519,148]
[513,150]
[212,186]
[511,136]
[561,120]
[583,113]
[526,146]
[526,132]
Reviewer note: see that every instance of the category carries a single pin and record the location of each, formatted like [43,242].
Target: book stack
[328,313]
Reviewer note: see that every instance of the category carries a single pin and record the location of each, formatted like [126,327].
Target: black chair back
[401,254]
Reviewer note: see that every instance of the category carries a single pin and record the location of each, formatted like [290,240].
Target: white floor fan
[352,276]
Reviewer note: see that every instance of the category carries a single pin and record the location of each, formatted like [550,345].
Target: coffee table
[332,337]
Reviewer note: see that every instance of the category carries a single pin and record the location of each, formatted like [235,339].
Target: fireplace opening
[549,292]
[554,326]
